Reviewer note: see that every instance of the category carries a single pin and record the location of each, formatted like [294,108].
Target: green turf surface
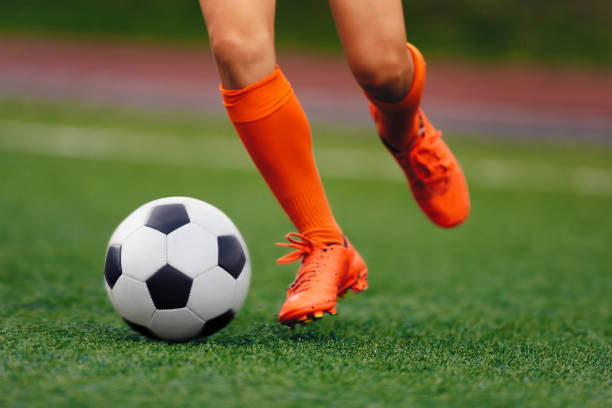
[560,32]
[511,309]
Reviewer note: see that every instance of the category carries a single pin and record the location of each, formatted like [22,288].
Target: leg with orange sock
[392,74]
[275,131]
[273,127]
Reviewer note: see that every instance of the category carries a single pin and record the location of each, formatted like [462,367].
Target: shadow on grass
[243,333]
[259,333]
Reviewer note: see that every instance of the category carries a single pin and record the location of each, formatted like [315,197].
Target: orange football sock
[399,124]
[275,131]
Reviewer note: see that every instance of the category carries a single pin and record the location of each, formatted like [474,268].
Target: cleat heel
[362,282]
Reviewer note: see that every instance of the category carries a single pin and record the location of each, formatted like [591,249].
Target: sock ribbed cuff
[259,99]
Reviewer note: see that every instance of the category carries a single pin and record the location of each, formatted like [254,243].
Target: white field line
[339,163]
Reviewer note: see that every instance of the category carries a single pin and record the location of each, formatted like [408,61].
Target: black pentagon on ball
[168,217]
[231,255]
[214,325]
[112,265]
[169,288]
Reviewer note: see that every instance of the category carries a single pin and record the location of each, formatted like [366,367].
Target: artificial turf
[511,309]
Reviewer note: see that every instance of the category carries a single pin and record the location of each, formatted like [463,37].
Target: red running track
[486,100]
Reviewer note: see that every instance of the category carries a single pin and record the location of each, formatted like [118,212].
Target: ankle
[325,236]
[397,128]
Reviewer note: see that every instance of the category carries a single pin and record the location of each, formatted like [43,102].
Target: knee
[386,73]
[243,55]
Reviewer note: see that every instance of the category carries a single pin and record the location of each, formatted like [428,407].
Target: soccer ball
[177,269]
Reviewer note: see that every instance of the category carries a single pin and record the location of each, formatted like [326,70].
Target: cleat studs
[301,319]
[307,321]
[318,315]
[332,311]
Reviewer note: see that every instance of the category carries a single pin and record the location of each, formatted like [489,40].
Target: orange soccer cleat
[326,273]
[435,177]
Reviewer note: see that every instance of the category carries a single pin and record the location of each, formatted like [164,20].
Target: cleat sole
[306,319]
[358,285]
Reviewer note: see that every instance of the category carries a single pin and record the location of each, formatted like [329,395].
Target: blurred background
[510,68]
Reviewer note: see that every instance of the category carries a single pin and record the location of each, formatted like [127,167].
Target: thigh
[241,35]
[371,31]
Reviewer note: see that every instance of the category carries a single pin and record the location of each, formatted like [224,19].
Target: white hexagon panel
[192,250]
[132,300]
[109,292]
[212,294]
[242,287]
[210,217]
[143,253]
[134,221]
[176,325]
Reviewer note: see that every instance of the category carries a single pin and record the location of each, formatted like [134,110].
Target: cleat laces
[428,166]
[304,248]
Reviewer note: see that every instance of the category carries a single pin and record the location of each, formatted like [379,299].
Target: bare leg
[393,75]
[241,36]
[374,40]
